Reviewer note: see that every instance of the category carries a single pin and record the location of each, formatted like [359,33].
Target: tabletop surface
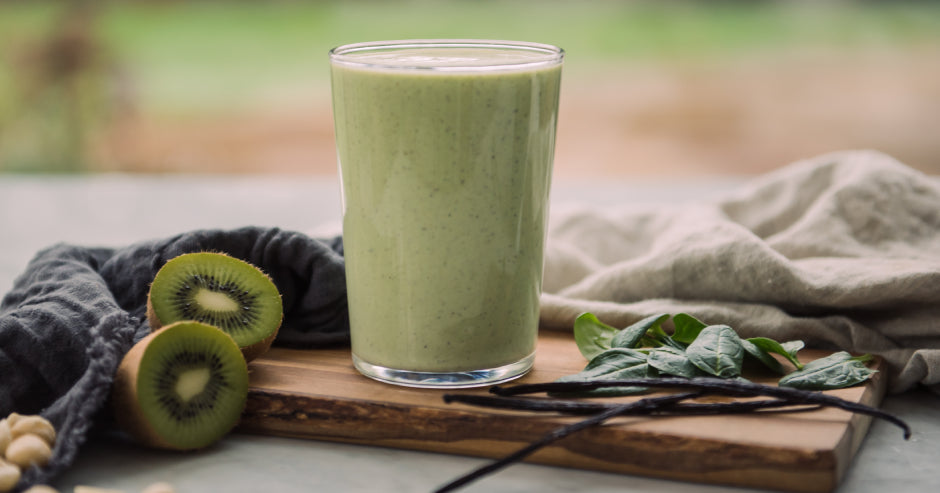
[116,210]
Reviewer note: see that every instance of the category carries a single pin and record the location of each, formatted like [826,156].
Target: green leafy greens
[695,349]
[717,351]
[832,372]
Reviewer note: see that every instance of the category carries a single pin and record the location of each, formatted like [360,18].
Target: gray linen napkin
[75,311]
[841,251]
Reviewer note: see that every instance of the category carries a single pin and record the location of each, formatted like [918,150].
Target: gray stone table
[115,210]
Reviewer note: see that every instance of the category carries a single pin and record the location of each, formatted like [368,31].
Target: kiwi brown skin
[257,349]
[250,351]
[127,409]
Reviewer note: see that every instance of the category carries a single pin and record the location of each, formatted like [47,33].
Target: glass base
[445,380]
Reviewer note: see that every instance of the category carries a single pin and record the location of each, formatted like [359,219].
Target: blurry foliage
[71,70]
[58,88]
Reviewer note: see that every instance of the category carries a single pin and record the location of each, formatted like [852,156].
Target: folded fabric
[75,311]
[841,251]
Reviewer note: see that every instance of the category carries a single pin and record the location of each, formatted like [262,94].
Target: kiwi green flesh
[192,385]
[218,290]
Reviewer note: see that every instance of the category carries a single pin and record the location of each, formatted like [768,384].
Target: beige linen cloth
[841,251]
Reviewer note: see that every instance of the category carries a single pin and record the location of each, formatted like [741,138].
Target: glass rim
[553,55]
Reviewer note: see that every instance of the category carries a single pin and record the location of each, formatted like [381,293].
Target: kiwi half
[181,388]
[218,290]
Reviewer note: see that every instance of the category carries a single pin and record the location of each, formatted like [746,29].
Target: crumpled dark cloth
[75,311]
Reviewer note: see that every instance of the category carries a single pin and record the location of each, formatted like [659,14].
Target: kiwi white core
[191,382]
[215,301]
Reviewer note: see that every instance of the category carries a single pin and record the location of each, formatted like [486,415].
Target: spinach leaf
[610,364]
[644,349]
[630,336]
[591,335]
[671,361]
[759,354]
[835,371]
[613,364]
[657,337]
[771,346]
[687,328]
[717,351]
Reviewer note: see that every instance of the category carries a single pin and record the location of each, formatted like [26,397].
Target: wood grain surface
[317,394]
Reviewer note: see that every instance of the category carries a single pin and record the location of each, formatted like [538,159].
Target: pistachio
[35,425]
[28,450]
[9,476]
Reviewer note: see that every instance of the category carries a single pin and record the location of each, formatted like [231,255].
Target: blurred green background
[651,87]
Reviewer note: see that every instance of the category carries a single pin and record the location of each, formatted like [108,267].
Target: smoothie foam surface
[448,58]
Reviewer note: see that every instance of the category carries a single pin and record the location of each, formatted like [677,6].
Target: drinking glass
[445,153]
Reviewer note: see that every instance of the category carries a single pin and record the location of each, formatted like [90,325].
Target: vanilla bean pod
[558,434]
[710,385]
[587,408]
[783,396]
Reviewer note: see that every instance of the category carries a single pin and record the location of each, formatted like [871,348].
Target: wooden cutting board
[317,394]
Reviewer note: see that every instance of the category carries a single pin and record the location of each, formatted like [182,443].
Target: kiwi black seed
[218,290]
[182,388]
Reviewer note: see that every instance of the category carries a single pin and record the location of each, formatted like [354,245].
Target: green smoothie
[446,172]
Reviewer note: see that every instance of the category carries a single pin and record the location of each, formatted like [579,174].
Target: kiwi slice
[219,290]
[181,388]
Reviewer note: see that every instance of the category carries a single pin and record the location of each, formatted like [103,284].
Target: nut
[28,450]
[5,436]
[9,476]
[160,487]
[36,425]
[41,488]
[13,418]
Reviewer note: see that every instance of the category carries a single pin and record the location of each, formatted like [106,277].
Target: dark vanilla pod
[712,386]
[783,399]
[580,408]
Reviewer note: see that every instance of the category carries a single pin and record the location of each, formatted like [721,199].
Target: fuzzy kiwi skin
[257,349]
[250,352]
[127,409]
